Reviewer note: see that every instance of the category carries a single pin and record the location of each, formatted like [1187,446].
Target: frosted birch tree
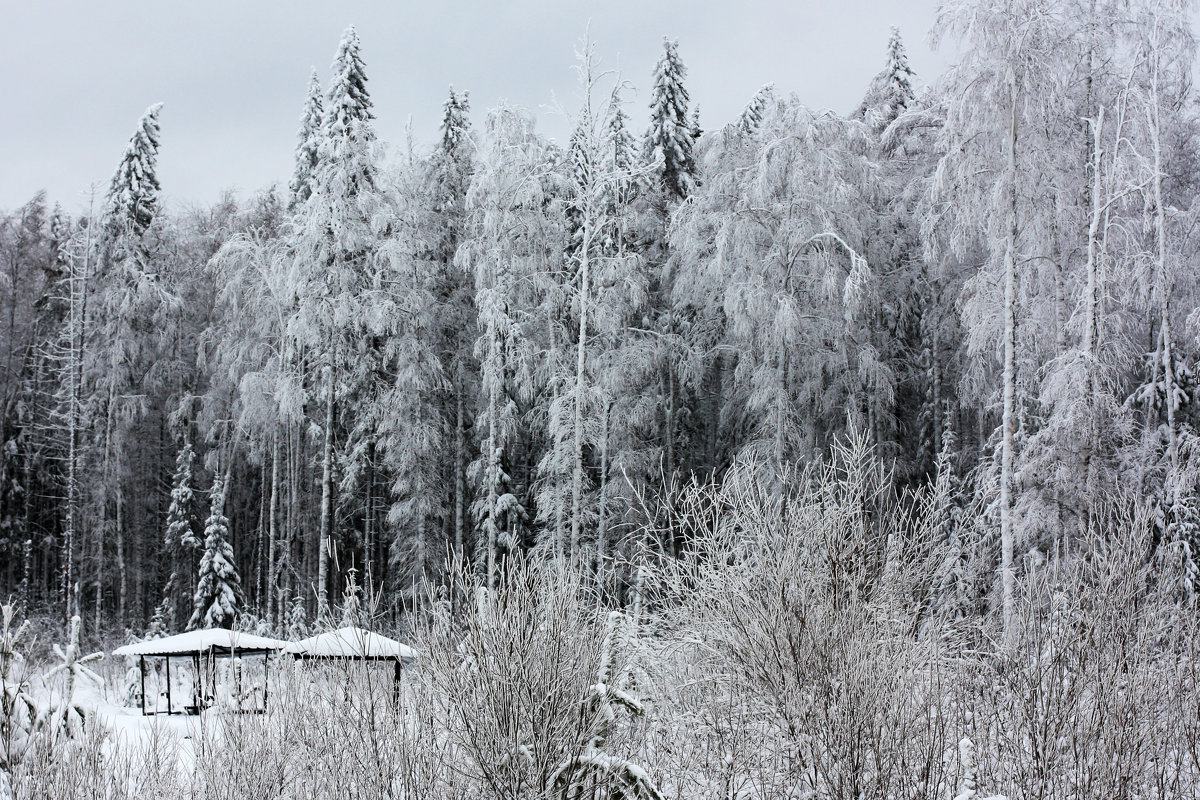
[771,251]
[1002,107]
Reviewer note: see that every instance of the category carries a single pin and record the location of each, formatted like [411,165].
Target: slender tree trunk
[324,543]
[1008,423]
[460,484]
[99,529]
[935,363]
[493,477]
[260,546]
[1092,323]
[670,421]
[295,546]
[1165,289]
[78,312]
[274,614]
[580,385]
[602,521]
[369,534]
[122,590]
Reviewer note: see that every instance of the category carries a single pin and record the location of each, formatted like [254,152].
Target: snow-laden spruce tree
[668,152]
[452,166]
[752,115]
[407,417]
[124,295]
[915,306]
[336,268]
[423,411]
[307,145]
[132,200]
[180,540]
[669,140]
[891,91]
[219,589]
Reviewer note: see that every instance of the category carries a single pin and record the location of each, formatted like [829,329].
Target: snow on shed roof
[351,643]
[216,640]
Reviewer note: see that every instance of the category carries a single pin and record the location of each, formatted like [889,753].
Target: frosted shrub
[811,666]
[513,671]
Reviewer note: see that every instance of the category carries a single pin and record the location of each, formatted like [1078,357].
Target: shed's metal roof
[209,640]
[351,643]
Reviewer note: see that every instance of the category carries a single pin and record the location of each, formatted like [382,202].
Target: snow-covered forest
[793,455]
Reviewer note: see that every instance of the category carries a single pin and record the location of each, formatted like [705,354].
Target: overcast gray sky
[232,73]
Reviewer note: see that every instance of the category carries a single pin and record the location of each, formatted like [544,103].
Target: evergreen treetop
[133,193]
[455,128]
[309,139]
[891,92]
[346,130]
[670,138]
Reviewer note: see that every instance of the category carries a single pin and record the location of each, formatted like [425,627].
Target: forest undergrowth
[815,637]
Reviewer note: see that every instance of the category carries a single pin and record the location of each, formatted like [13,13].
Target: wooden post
[197,678]
[266,678]
[168,686]
[142,670]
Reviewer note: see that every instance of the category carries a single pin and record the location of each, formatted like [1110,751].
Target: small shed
[208,644]
[353,644]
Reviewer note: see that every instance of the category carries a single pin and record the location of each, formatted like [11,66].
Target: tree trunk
[324,543]
[602,521]
[274,614]
[1092,323]
[122,590]
[1008,423]
[580,387]
[460,484]
[1165,290]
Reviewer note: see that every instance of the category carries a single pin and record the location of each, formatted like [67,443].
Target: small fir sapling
[352,615]
[219,590]
[69,716]
[605,697]
[297,619]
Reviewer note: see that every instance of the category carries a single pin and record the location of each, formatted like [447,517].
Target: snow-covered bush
[809,663]
[18,712]
[513,671]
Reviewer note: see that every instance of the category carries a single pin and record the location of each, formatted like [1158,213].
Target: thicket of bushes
[815,639]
